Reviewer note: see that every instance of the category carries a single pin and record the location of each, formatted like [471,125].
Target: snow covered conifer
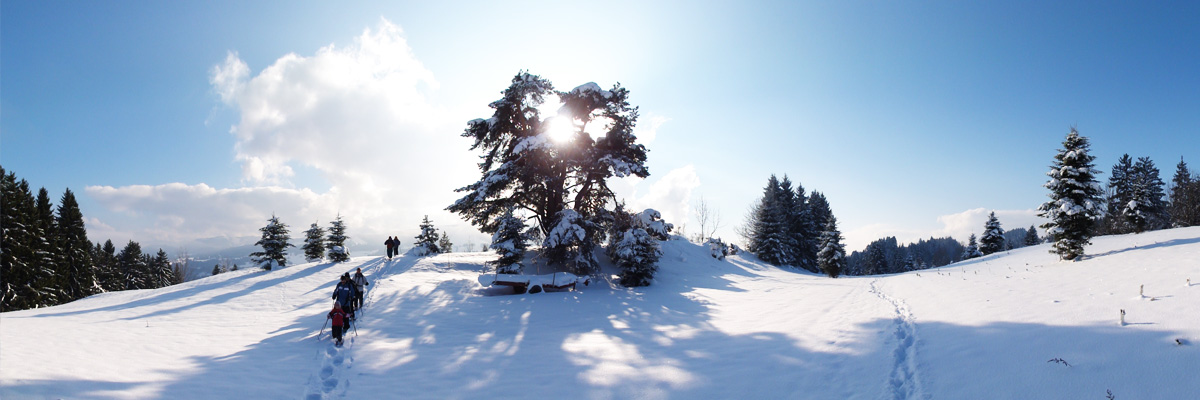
[444,244]
[1145,209]
[972,250]
[509,243]
[336,243]
[76,254]
[767,226]
[717,248]
[831,257]
[637,255]
[1185,197]
[427,240]
[993,236]
[314,243]
[1075,198]
[1120,192]
[274,243]
[1031,236]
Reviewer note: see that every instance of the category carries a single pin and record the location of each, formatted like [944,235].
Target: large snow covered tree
[314,243]
[1185,197]
[274,243]
[336,242]
[509,242]
[972,250]
[993,236]
[831,258]
[768,228]
[427,240]
[1146,208]
[1075,198]
[547,172]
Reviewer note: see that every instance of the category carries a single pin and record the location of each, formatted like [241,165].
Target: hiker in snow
[390,244]
[339,323]
[344,294]
[359,282]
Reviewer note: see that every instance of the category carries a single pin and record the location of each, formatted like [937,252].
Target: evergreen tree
[769,239]
[1145,209]
[972,250]
[216,269]
[444,244]
[427,240]
[832,256]
[336,243]
[1185,197]
[274,243]
[1120,192]
[17,268]
[993,236]
[161,274]
[1075,198]
[509,243]
[108,267]
[637,254]
[75,250]
[876,260]
[133,267]
[524,168]
[1031,236]
[314,243]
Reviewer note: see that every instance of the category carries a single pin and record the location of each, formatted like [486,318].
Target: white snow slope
[983,329]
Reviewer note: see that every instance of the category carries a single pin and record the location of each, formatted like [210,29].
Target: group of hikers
[393,246]
[348,298]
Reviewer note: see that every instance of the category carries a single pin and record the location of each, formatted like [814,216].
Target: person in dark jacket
[360,282]
[339,323]
[391,244]
[344,294]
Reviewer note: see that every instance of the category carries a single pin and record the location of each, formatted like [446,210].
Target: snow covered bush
[633,244]
[717,248]
[570,243]
[509,243]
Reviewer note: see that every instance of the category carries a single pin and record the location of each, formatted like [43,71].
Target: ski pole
[354,326]
[323,327]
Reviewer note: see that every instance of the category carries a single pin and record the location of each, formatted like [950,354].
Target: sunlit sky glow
[187,124]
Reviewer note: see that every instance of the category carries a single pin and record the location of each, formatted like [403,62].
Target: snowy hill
[986,328]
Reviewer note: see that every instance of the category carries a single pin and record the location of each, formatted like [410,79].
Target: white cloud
[647,129]
[669,195]
[958,226]
[355,117]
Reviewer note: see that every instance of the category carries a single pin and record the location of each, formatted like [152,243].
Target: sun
[560,129]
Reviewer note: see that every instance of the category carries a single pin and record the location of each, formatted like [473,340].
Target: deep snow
[985,328]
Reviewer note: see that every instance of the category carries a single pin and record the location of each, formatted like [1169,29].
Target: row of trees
[557,182]
[47,258]
[788,227]
[276,238]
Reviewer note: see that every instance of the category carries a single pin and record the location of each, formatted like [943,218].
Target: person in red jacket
[339,323]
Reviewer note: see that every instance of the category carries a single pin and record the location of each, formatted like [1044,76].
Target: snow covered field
[987,328]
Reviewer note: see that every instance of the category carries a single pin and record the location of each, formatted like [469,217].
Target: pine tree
[133,267]
[993,236]
[336,243]
[1075,198]
[108,268]
[1031,237]
[75,249]
[274,243]
[16,267]
[1120,192]
[444,244]
[1185,197]
[1145,209]
[876,260]
[832,256]
[314,243]
[216,269]
[972,250]
[427,240]
[161,274]
[509,243]
[769,238]
[523,168]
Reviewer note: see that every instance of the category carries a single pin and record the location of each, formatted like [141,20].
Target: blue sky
[179,122]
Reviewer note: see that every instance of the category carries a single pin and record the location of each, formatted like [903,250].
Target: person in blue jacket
[345,293]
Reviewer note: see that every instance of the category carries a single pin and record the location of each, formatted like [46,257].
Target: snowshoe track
[904,382]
